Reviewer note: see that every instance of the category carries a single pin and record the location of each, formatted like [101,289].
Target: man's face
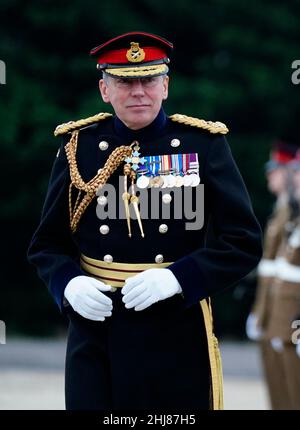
[136,101]
[277,179]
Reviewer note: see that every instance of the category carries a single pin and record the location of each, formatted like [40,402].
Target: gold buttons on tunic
[159,258]
[108,258]
[104,229]
[163,228]
[102,200]
[166,198]
[103,145]
[175,143]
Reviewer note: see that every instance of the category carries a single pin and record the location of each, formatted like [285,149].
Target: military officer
[286,305]
[136,285]
[259,319]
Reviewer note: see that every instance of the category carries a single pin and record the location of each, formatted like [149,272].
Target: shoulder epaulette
[73,125]
[212,127]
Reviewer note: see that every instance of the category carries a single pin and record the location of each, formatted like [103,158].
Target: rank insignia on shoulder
[70,126]
[167,171]
[212,127]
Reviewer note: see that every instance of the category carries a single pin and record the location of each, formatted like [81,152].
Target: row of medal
[168,171]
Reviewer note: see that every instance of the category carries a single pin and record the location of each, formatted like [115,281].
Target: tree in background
[232,63]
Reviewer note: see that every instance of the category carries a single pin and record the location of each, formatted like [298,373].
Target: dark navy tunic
[155,358]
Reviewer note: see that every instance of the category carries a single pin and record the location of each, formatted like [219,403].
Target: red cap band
[282,157]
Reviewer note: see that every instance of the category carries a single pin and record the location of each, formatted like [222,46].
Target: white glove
[277,344]
[148,287]
[253,331]
[298,349]
[85,296]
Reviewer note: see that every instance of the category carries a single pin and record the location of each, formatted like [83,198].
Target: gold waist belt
[114,273]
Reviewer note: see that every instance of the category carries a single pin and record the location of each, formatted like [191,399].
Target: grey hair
[105,77]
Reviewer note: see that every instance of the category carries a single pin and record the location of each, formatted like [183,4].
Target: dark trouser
[152,359]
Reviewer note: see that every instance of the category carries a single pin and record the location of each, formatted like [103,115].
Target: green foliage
[232,63]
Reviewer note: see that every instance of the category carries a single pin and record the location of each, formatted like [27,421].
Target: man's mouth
[137,106]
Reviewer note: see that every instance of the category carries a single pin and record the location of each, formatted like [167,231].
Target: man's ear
[165,87]
[104,91]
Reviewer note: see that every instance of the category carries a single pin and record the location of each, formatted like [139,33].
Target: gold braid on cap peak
[212,127]
[89,188]
[73,125]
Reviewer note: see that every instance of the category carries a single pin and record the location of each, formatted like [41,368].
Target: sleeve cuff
[60,281]
[187,273]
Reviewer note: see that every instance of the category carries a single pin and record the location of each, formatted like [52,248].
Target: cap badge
[135,54]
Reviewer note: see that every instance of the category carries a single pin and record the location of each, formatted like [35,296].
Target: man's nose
[137,88]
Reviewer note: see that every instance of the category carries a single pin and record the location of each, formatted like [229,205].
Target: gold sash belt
[114,273]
